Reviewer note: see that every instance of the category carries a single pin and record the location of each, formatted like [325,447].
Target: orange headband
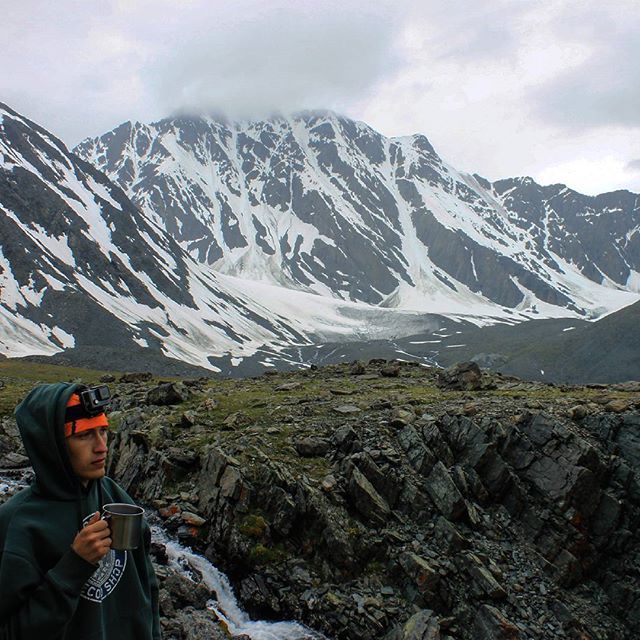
[83,424]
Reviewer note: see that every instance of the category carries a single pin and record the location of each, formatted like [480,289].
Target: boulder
[195,624]
[311,447]
[464,376]
[169,393]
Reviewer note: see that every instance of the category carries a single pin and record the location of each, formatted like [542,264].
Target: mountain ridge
[343,211]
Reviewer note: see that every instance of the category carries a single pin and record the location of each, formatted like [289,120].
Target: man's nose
[100,444]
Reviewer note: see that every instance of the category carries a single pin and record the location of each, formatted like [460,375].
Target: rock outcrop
[506,512]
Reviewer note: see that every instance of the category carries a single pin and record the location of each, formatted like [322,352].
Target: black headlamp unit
[93,402]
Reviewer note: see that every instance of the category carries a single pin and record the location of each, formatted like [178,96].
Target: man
[59,577]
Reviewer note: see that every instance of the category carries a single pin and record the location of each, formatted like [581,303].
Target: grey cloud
[471,31]
[634,165]
[604,90]
[80,69]
[284,60]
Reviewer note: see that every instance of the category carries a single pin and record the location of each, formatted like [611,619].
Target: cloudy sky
[547,88]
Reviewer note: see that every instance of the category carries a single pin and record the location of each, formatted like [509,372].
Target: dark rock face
[515,521]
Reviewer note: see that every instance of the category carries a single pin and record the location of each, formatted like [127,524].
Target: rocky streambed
[388,500]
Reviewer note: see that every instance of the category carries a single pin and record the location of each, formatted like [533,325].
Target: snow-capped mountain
[320,203]
[238,228]
[84,271]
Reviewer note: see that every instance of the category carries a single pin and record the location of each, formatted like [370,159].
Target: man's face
[88,453]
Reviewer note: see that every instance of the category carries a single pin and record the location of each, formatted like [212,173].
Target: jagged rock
[444,493]
[185,592]
[464,376]
[483,579]
[420,457]
[470,409]
[447,531]
[231,483]
[421,626]
[491,624]
[579,412]
[107,378]
[366,499]
[509,505]
[390,371]
[329,482]
[381,404]
[386,483]
[435,442]
[401,417]
[605,519]
[165,601]
[169,393]
[237,419]
[188,419]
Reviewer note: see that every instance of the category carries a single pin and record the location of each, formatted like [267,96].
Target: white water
[10,485]
[226,606]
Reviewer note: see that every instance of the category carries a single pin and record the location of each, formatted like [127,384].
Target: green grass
[20,376]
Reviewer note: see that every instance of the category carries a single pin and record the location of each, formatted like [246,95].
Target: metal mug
[125,522]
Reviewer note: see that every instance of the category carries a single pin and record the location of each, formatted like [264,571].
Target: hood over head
[40,418]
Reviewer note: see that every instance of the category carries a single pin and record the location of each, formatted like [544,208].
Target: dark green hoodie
[47,591]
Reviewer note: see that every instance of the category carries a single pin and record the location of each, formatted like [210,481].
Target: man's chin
[93,474]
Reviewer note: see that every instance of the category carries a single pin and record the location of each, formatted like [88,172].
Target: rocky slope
[388,500]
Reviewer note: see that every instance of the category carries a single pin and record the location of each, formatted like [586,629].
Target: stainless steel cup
[125,522]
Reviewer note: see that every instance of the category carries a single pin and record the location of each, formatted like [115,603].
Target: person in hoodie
[59,578]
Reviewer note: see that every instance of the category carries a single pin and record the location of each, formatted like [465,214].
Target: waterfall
[226,606]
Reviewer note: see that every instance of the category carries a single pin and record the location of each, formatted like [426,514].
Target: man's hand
[94,541]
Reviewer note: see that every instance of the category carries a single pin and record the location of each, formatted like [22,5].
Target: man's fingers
[94,518]
[98,525]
